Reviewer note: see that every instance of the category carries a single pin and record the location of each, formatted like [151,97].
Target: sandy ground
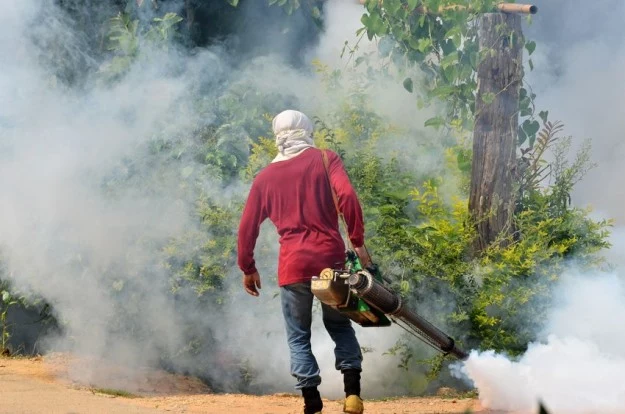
[43,386]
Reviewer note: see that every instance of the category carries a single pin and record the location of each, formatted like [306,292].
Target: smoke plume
[90,207]
[578,77]
[575,365]
[575,368]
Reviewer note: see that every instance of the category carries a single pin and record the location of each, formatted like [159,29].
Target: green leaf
[5,296]
[522,136]
[531,64]
[412,4]
[235,3]
[392,6]
[530,46]
[488,98]
[473,57]
[424,44]
[421,21]
[451,73]
[408,84]
[364,19]
[543,115]
[448,60]
[531,127]
[435,122]
[443,91]
[464,161]
[374,24]
[522,93]
[448,47]
[413,43]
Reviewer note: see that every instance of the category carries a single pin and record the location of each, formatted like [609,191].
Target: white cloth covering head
[293,131]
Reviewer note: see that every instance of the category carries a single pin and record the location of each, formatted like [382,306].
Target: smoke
[101,180]
[575,365]
[579,78]
[64,238]
[87,209]
[386,98]
[575,368]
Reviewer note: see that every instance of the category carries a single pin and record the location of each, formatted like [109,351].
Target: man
[294,193]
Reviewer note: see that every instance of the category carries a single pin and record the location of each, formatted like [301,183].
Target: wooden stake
[502,7]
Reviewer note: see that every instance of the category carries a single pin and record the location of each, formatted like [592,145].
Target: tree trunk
[491,200]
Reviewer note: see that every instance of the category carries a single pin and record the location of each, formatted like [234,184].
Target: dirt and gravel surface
[39,385]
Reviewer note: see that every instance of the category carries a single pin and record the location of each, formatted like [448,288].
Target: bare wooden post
[491,199]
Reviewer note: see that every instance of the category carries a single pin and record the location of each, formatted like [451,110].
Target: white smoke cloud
[576,369]
[579,78]
[88,249]
[575,366]
[61,234]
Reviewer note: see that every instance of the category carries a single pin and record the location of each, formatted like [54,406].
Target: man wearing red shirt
[294,193]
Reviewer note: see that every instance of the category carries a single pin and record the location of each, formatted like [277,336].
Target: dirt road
[38,386]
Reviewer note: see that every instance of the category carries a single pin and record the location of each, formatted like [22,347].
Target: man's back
[293,192]
[295,195]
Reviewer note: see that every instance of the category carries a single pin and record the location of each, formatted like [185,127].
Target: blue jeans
[297,300]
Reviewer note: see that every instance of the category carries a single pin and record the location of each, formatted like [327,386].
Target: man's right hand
[363,255]
[251,283]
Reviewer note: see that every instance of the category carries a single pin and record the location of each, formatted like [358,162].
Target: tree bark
[491,200]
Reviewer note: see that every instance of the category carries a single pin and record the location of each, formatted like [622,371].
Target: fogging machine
[365,296]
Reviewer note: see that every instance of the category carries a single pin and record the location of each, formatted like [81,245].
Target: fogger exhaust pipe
[390,303]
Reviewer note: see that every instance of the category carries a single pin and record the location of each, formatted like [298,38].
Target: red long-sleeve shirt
[295,195]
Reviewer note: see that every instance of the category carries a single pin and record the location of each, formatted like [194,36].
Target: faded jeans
[297,300]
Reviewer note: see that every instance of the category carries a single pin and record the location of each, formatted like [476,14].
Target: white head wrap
[293,131]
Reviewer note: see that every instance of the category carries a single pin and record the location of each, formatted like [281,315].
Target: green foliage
[422,240]
[289,6]
[126,37]
[563,174]
[8,300]
[442,44]
[500,297]
[201,259]
[440,39]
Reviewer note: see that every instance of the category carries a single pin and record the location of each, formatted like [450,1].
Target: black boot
[351,380]
[312,400]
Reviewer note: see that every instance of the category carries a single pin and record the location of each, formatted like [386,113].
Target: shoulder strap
[324,156]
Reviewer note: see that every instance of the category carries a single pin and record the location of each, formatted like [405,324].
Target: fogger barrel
[390,303]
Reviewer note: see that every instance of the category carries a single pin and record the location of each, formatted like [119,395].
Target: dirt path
[25,387]
[38,386]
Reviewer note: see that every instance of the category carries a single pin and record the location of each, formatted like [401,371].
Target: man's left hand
[251,283]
